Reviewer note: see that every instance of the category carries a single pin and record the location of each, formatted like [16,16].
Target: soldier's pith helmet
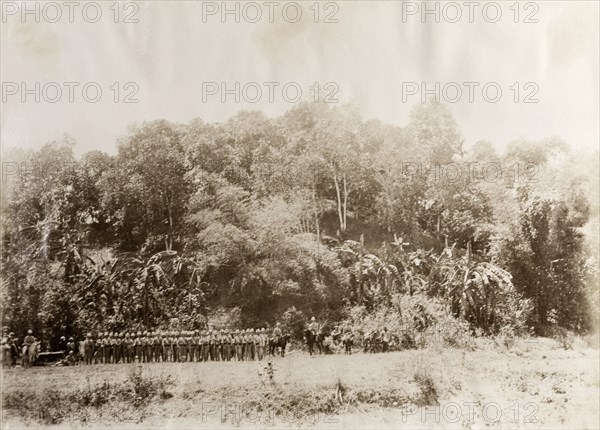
[139,333]
[313,319]
[89,335]
[29,331]
[71,338]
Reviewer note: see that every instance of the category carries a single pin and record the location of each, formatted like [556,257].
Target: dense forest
[317,212]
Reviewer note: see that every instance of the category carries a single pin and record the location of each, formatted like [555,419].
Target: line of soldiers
[177,346]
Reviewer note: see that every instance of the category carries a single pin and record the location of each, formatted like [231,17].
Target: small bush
[413,321]
[53,407]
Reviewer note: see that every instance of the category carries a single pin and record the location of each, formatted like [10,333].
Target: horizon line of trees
[315,211]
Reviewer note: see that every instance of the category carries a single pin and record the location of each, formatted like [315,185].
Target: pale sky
[369,53]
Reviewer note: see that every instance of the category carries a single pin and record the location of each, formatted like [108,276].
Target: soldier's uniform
[158,346]
[88,349]
[195,345]
[175,346]
[237,345]
[260,344]
[117,348]
[254,338]
[28,340]
[211,350]
[99,353]
[137,347]
[149,347]
[246,344]
[112,347]
[185,346]
[221,345]
[204,345]
[105,342]
[166,344]
[190,345]
[218,345]
[225,345]
[127,348]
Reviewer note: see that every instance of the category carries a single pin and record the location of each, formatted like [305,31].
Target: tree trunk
[345,206]
[339,203]
[316,211]
[360,261]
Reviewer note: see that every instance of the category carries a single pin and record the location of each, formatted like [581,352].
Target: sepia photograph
[308,214]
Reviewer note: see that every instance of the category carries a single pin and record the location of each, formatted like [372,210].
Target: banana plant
[472,288]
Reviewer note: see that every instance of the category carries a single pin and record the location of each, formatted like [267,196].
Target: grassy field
[535,384]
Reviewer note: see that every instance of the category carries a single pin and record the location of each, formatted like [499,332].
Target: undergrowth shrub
[413,321]
[51,406]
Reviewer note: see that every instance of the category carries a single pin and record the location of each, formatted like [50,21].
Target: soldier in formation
[176,346]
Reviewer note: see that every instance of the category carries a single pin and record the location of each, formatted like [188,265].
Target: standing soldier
[190,345]
[127,348]
[183,346]
[14,350]
[105,342]
[175,345]
[237,344]
[246,344]
[158,346]
[195,352]
[88,349]
[146,343]
[251,343]
[227,346]
[142,343]
[218,345]
[137,347]
[109,347]
[149,347]
[112,347]
[118,347]
[260,349]
[98,349]
[221,345]
[211,350]
[204,345]
[166,344]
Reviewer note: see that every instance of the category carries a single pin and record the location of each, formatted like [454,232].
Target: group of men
[10,350]
[177,346]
